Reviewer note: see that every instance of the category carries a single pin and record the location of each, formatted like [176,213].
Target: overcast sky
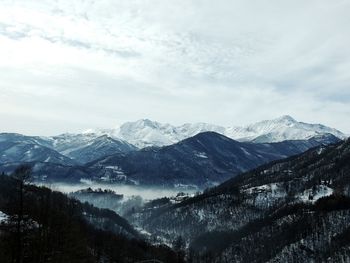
[72,65]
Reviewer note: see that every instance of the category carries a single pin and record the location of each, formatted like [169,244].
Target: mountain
[292,210]
[97,148]
[145,133]
[280,129]
[94,144]
[21,148]
[50,172]
[65,149]
[87,146]
[47,226]
[205,159]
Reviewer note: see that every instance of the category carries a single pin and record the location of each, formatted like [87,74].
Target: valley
[177,131]
[208,197]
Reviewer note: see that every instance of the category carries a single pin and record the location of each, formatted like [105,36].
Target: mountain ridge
[204,159]
[301,205]
[144,132]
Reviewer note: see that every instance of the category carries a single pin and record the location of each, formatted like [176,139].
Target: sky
[67,66]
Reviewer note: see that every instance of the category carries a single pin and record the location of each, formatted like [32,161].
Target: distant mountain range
[21,148]
[207,158]
[67,149]
[191,154]
[204,159]
[144,133]
[271,208]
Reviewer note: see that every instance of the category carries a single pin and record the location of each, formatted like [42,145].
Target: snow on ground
[201,214]
[313,194]
[274,188]
[266,195]
[115,169]
[269,193]
[245,151]
[201,155]
[3,217]
[143,231]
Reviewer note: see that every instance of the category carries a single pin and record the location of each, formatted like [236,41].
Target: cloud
[82,64]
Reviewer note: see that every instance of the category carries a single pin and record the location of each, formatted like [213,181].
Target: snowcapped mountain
[204,159]
[69,142]
[144,133]
[99,147]
[91,145]
[280,129]
[65,149]
[21,148]
[88,146]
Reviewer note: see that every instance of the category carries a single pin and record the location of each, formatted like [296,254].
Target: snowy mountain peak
[285,118]
[147,123]
[145,132]
[284,128]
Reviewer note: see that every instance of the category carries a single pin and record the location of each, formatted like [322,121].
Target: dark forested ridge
[204,160]
[201,160]
[293,210]
[46,226]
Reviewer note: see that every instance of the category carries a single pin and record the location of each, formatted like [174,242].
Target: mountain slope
[300,204]
[20,148]
[65,149]
[280,129]
[87,147]
[204,159]
[51,172]
[145,133]
[98,148]
[55,228]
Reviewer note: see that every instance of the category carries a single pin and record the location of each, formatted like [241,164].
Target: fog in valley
[146,193]
[122,199]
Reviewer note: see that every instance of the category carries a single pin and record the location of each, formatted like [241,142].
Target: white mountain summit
[280,129]
[144,133]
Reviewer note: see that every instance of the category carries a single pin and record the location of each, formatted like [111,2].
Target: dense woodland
[46,226]
[293,210]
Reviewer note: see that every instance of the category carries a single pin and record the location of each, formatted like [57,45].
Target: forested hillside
[297,209]
[39,225]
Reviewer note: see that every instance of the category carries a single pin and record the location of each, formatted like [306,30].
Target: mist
[122,199]
[146,193]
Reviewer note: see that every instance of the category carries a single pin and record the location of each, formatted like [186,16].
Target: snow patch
[3,217]
[201,155]
[315,193]
[245,151]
